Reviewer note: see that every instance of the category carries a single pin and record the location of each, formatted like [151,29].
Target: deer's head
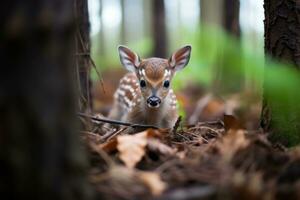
[154,74]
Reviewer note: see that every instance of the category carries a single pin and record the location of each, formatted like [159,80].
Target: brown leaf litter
[201,161]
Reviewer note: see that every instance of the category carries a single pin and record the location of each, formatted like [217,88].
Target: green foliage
[181,111]
[220,62]
[225,65]
[111,57]
[283,97]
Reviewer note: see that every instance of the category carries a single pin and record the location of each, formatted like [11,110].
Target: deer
[144,94]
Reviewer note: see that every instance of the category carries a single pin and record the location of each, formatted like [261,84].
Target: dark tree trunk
[231,17]
[282,42]
[40,153]
[231,12]
[159,29]
[83,54]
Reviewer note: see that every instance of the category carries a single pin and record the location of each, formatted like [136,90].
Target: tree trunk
[159,29]
[40,153]
[231,17]
[231,12]
[83,54]
[124,39]
[211,12]
[101,31]
[281,117]
[147,19]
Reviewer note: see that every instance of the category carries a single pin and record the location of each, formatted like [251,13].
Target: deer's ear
[128,58]
[180,58]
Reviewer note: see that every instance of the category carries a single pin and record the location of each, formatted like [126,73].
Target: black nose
[153,101]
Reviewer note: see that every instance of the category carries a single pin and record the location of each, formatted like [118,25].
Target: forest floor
[215,159]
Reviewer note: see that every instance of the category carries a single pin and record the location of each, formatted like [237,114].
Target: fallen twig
[117,122]
[109,136]
[177,123]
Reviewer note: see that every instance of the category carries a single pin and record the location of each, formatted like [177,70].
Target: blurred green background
[130,22]
[227,62]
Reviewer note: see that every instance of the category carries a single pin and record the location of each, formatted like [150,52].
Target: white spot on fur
[133,80]
[126,79]
[121,92]
[127,101]
[143,72]
[127,88]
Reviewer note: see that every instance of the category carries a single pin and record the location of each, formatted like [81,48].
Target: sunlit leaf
[132,148]
[153,181]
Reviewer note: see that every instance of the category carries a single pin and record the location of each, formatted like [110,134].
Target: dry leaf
[181,154]
[249,186]
[153,182]
[132,148]
[208,108]
[157,133]
[109,146]
[233,141]
[130,177]
[121,174]
[231,122]
[156,145]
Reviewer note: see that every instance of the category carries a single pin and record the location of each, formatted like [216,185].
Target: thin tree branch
[90,59]
[85,48]
[109,136]
[117,122]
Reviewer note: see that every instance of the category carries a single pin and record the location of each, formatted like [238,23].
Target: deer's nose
[153,101]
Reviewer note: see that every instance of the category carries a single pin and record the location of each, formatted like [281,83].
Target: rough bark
[282,42]
[159,29]
[40,153]
[231,17]
[83,53]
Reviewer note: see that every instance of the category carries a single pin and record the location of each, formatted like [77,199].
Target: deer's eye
[166,84]
[142,83]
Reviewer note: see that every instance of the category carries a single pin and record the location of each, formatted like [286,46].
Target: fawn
[144,94]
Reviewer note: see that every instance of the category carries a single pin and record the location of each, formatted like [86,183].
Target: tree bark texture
[83,53]
[282,42]
[40,153]
[159,29]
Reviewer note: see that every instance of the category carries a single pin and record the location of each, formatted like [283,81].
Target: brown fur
[164,116]
[154,68]
[131,104]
